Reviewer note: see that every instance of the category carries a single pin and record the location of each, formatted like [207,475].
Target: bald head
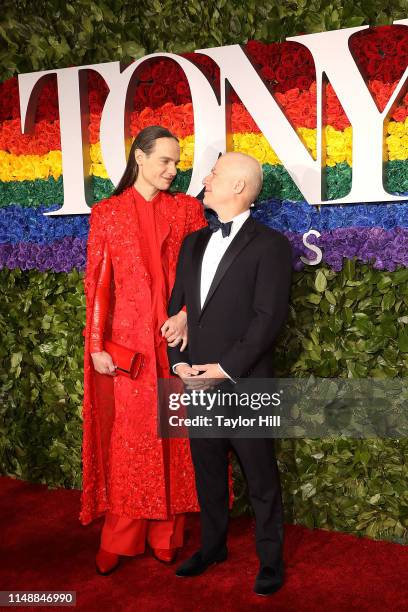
[233,184]
[246,168]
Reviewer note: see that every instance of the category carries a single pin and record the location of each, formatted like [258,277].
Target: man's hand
[209,370]
[183,370]
[103,363]
[175,330]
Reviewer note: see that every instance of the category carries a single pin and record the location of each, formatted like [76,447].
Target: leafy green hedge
[340,324]
[347,324]
[41,321]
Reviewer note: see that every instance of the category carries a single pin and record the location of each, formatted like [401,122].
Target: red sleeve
[101,303]
[195,216]
[95,255]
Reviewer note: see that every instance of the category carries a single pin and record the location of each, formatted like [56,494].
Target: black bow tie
[215,224]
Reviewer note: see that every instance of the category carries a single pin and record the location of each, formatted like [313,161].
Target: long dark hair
[145,140]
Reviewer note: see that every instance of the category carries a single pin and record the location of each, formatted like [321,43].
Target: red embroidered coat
[127,469]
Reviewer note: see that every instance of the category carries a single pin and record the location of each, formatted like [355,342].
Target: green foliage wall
[351,485]
[347,324]
[41,369]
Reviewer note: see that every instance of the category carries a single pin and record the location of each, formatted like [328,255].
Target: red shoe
[165,555]
[106,562]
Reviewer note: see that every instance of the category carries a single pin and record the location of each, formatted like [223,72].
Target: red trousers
[124,536]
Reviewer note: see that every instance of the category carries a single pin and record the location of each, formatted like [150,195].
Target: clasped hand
[174,330]
[200,376]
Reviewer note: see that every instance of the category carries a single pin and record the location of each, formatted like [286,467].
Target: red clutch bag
[127,362]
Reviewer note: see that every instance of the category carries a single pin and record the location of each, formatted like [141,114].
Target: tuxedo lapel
[243,237]
[197,260]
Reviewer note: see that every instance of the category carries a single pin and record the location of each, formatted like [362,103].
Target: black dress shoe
[268,581]
[196,565]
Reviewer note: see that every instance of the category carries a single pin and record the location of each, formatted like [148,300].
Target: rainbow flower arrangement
[31,172]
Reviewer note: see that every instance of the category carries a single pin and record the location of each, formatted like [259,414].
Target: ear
[139,156]
[239,186]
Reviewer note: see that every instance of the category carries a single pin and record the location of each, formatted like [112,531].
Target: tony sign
[333,61]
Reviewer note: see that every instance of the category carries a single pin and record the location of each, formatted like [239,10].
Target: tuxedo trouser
[125,536]
[258,463]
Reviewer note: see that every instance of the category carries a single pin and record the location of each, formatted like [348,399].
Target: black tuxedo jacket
[246,304]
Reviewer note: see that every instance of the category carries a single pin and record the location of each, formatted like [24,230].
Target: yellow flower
[30,167]
[396,147]
[338,146]
[396,127]
[96,153]
[99,170]
[186,153]
[255,145]
[308,136]
[55,164]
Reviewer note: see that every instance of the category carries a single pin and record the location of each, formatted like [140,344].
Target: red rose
[267,73]
[207,66]
[375,86]
[303,82]
[254,50]
[159,70]
[93,134]
[400,113]
[241,120]
[157,94]
[287,60]
[96,102]
[389,46]
[182,89]
[97,83]
[257,51]
[146,117]
[400,64]
[402,46]
[374,67]
[141,95]
[288,84]
[180,119]
[144,72]
[174,72]
[42,146]
[371,50]
[280,98]
[298,60]
[176,122]
[280,74]
[384,30]
[234,97]
[292,95]
[274,55]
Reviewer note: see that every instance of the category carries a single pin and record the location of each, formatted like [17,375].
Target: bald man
[234,279]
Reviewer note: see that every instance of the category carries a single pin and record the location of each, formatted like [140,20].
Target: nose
[206,179]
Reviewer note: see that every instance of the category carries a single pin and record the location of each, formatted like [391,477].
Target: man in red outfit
[142,484]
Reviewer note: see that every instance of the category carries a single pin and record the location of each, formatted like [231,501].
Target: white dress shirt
[214,252]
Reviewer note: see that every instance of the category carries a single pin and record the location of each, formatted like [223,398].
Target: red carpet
[44,547]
